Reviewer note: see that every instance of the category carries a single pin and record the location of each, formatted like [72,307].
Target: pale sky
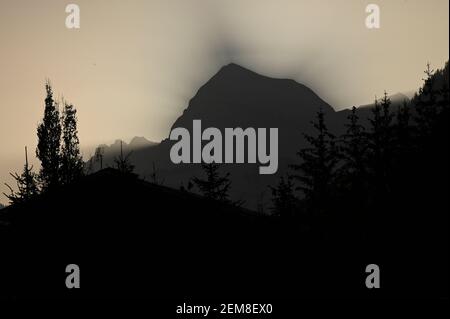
[133,65]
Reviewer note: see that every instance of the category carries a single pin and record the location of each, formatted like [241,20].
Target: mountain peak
[234,66]
[140,141]
[235,70]
[238,97]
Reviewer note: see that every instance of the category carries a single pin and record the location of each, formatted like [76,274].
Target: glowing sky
[133,65]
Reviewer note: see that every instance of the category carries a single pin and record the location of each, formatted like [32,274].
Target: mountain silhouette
[396,100]
[110,152]
[238,97]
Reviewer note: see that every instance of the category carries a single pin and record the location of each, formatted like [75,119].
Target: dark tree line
[59,153]
[57,149]
[365,168]
[360,168]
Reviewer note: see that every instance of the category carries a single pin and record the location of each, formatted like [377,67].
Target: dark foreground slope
[136,239]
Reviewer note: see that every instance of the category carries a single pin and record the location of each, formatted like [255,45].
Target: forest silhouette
[378,193]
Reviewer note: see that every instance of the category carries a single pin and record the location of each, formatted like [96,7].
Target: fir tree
[99,151]
[26,184]
[283,198]
[123,162]
[71,161]
[48,148]
[444,101]
[154,176]
[354,150]
[214,186]
[318,165]
[426,104]
[403,129]
[381,145]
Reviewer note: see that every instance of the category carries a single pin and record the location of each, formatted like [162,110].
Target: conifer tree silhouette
[317,169]
[444,101]
[283,198]
[214,186]
[403,129]
[26,184]
[426,103]
[380,145]
[154,176]
[123,162]
[72,166]
[98,156]
[353,171]
[48,148]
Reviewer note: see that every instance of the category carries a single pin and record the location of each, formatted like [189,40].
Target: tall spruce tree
[123,163]
[403,129]
[426,103]
[380,145]
[318,166]
[49,139]
[26,184]
[444,101]
[71,161]
[214,186]
[283,198]
[98,157]
[354,150]
[431,101]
